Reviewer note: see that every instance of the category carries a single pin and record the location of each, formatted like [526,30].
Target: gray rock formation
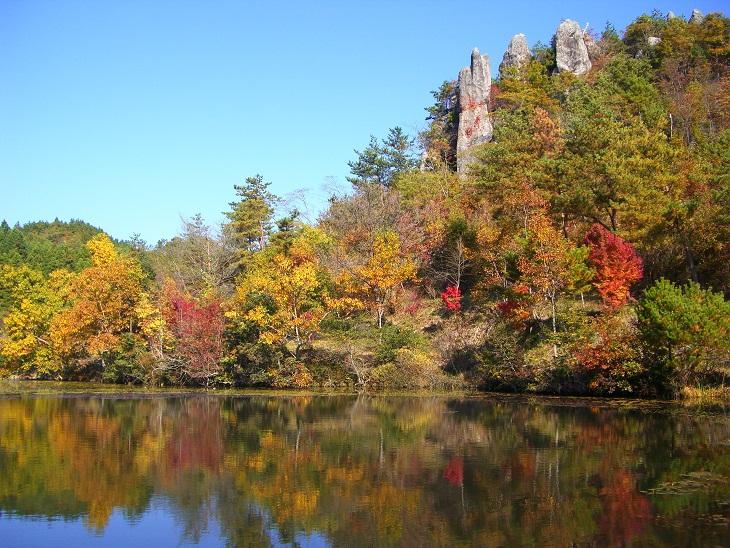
[571,52]
[475,126]
[697,17]
[423,164]
[517,54]
[671,15]
[593,47]
[653,40]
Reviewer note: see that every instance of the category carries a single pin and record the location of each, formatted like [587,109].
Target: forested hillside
[578,242]
[46,247]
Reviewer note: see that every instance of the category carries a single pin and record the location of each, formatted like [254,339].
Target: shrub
[337,324]
[611,361]
[451,297]
[686,330]
[291,374]
[394,338]
[131,364]
[410,369]
[502,365]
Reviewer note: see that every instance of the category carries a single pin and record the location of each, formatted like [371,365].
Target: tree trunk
[552,306]
[690,260]
[555,328]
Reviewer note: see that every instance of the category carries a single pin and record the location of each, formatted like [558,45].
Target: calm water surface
[155,470]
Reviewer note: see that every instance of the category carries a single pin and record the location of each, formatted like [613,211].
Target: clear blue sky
[130,114]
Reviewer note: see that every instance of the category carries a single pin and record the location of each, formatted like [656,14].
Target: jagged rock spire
[571,53]
[517,54]
[696,17]
[475,127]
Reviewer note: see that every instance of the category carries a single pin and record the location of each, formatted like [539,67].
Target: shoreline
[23,387]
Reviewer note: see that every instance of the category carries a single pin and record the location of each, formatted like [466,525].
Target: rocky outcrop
[696,17]
[517,54]
[671,16]
[475,126]
[571,53]
[593,47]
[653,40]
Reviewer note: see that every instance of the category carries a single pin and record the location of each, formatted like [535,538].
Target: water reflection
[361,470]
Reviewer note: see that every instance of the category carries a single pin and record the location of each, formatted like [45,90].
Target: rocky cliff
[475,126]
[517,54]
[571,53]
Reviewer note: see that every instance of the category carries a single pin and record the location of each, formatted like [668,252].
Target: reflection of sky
[313,540]
[157,526]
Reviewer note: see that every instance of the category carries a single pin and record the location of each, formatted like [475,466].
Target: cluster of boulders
[574,48]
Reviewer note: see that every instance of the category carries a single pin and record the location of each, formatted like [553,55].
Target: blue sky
[132,114]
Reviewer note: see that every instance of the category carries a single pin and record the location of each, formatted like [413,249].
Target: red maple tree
[617,264]
[198,331]
[452,298]
[454,472]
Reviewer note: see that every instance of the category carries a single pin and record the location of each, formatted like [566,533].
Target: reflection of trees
[86,459]
[363,470]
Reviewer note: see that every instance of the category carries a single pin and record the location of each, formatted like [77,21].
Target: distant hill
[47,246]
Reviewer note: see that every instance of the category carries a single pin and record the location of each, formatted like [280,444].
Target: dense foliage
[586,250]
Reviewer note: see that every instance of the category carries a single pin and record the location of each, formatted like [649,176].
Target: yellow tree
[26,345]
[544,266]
[106,299]
[283,294]
[377,281]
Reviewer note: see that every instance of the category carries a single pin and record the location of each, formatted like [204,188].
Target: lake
[154,469]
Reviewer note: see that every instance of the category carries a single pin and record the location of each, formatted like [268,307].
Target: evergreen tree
[382,161]
[250,217]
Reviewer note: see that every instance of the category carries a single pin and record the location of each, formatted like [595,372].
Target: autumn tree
[35,300]
[451,297]
[452,259]
[354,221]
[516,172]
[283,294]
[617,265]
[197,330]
[104,300]
[376,282]
[543,265]
[201,261]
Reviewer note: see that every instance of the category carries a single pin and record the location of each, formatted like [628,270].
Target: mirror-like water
[359,470]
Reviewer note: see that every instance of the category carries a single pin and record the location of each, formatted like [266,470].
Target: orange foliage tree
[617,265]
[544,266]
[375,283]
[105,299]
